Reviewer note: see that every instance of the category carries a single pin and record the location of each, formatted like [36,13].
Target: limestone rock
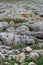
[3,25]
[7,38]
[20,57]
[31,63]
[7,63]
[2,56]
[17,39]
[34,55]
[28,49]
[27,39]
[22,29]
[12,23]
[10,29]
[15,64]
[39,35]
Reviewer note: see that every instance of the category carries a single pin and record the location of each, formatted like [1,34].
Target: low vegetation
[37,46]
[16,20]
[18,46]
[38,61]
[12,61]
[26,15]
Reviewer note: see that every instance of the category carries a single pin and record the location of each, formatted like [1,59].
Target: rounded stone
[34,55]
[28,49]
[31,63]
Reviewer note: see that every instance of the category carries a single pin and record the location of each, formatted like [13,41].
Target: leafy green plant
[26,15]
[31,28]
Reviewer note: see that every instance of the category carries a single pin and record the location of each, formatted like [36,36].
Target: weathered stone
[17,39]
[7,63]
[10,29]
[16,51]
[22,29]
[15,64]
[31,63]
[7,38]
[0,42]
[5,47]
[28,49]
[27,39]
[12,23]
[10,52]
[3,51]
[39,35]
[39,51]
[20,57]
[3,25]
[2,56]
[34,55]
[39,25]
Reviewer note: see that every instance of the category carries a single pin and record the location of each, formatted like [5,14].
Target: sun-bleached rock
[28,49]
[20,57]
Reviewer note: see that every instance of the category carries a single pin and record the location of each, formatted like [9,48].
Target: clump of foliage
[31,28]
[26,15]
[6,19]
[19,20]
[11,61]
[16,20]
[36,46]
[38,61]
[18,46]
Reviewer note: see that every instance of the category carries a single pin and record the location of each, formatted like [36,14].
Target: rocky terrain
[21,32]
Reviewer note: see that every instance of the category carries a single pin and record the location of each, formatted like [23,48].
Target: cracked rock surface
[21,32]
